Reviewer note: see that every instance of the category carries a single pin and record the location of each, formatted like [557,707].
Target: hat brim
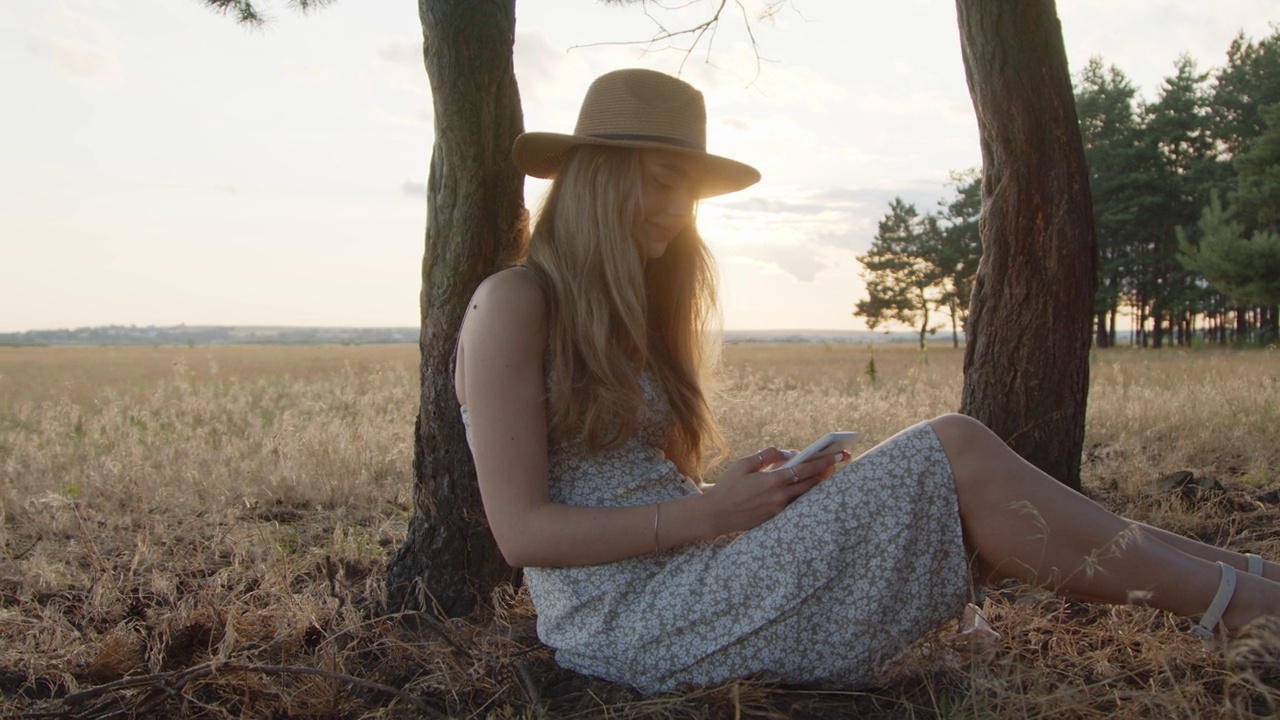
[540,154]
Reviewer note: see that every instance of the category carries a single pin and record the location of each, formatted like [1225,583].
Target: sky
[162,165]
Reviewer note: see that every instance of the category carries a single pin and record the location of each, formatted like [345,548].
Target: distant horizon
[942,329]
[282,326]
[209,334]
[182,333]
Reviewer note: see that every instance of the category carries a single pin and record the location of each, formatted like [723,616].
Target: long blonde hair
[612,314]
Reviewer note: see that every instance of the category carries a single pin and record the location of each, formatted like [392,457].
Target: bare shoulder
[504,334]
[513,289]
[509,301]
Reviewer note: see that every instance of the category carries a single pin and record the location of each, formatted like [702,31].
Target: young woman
[578,373]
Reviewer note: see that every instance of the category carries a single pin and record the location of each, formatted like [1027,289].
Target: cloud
[402,53]
[77,58]
[82,49]
[925,106]
[554,77]
[539,63]
[832,202]
[805,231]
[417,119]
[1123,34]
[796,261]
[415,189]
[795,87]
[404,59]
[305,72]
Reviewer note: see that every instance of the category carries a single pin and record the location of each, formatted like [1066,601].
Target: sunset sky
[164,165]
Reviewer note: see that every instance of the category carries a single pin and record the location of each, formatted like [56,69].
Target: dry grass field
[203,532]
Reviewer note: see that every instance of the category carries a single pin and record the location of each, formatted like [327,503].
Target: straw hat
[640,109]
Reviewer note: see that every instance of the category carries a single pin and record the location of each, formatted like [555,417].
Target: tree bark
[1163,329]
[924,317]
[955,324]
[1026,364]
[475,220]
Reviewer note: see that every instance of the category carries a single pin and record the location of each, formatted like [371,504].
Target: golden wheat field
[203,532]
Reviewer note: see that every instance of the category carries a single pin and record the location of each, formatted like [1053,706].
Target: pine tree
[1258,171]
[1244,266]
[961,248]
[1249,83]
[901,270]
[1177,150]
[1109,130]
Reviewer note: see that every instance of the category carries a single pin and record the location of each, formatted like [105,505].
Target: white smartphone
[830,443]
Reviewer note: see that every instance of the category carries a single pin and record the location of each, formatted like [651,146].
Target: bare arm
[502,383]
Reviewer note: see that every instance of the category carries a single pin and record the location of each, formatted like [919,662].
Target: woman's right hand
[750,493]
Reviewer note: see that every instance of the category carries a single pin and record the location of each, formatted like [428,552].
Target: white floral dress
[824,593]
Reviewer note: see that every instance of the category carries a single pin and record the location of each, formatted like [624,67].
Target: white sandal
[1209,622]
[1254,564]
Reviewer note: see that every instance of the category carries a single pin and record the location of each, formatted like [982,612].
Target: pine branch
[247,13]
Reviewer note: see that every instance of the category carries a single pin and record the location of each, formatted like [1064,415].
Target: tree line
[1186,207]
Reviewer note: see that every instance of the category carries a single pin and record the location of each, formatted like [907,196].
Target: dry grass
[203,532]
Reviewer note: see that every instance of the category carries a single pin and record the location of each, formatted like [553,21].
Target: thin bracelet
[657,513]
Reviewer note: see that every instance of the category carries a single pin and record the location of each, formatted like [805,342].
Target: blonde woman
[579,378]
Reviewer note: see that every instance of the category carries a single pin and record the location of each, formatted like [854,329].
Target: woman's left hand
[752,490]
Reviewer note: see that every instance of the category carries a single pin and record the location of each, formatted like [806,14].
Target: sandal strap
[1226,588]
[1255,563]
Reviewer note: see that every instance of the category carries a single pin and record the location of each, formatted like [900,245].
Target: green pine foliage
[250,13]
[902,270]
[1170,258]
[1244,266]
[1258,170]
[921,264]
[1105,104]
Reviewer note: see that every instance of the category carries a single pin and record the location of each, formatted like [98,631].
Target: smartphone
[830,443]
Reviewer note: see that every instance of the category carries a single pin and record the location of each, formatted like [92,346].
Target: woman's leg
[1271,571]
[1022,523]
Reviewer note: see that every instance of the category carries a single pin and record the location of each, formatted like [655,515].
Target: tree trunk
[1157,327]
[924,317]
[1026,365]
[475,221]
[955,324]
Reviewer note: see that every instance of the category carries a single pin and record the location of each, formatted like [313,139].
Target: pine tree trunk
[955,324]
[1026,364]
[924,317]
[475,216]
[1157,327]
